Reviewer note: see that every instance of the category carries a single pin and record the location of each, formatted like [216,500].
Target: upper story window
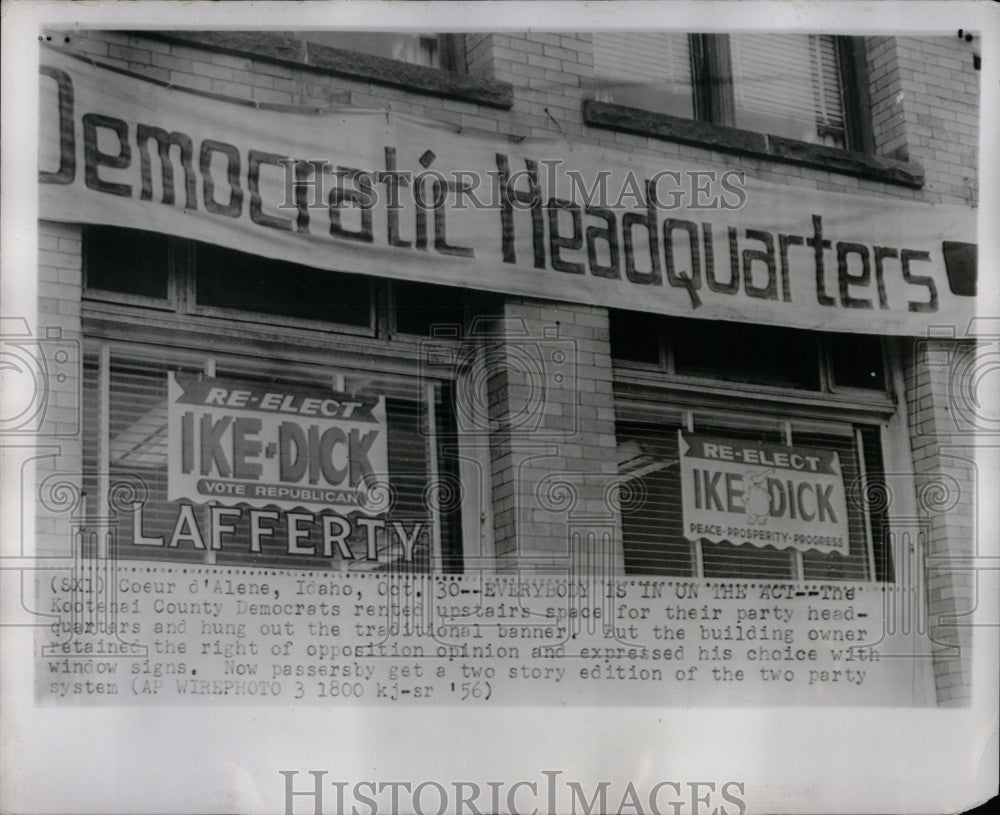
[773,356]
[790,85]
[429,49]
[194,279]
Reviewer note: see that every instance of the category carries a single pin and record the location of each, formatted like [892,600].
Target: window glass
[126,261]
[785,84]
[652,531]
[652,515]
[648,71]
[765,355]
[138,448]
[635,336]
[418,48]
[420,307]
[236,280]
[854,565]
[856,360]
[788,85]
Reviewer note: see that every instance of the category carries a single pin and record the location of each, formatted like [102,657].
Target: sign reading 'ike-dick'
[235,442]
[762,493]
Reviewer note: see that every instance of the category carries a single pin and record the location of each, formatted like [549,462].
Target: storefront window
[732,430]
[838,536]
[292,457]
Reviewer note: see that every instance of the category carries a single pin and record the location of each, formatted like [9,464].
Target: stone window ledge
[350,65]
[750,143]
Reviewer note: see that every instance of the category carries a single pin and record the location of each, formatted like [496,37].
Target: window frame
[169,303]
[187,271]
[111,344]
[712,127]
[276,47]
[150,329]
[664,401]
[182,298]
[664,371]
[714,102]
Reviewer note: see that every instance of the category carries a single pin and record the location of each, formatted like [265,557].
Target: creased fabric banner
[382,194]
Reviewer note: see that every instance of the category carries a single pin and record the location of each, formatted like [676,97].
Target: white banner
[381,194]
[239,443]
[761,493]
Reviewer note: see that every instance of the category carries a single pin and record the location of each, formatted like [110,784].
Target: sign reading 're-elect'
[234,442]
[375,193]
[761,493]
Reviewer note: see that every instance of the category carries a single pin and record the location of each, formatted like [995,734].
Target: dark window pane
[421,306]
[765,355]
[230,279]
[857,361]
[635,336]
[126,261]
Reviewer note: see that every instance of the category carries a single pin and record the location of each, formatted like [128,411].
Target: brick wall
[925,100]
[946,484]
[59,287]
[553,443]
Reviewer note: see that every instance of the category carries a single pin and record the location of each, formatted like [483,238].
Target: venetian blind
[652,71]
[788,84]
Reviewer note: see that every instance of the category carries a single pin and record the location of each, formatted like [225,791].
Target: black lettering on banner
[164,141]
[93,158]
[881,253]
[255,159]
[532,198]
[393,180]
[67,136]
[649,222]
[609,234]
[690,281]
[906,255]
[360,196]
[818,245]
[734,263]
[784,241]
[440,232]
[769,291]
[558,242]
[846,279]
[234,206]
[303,170]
